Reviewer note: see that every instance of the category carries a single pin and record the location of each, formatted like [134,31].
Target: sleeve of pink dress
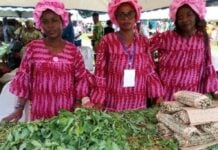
[155,88]
[156,42]
[210,80]
[81,82]
[98,90]
[20,85]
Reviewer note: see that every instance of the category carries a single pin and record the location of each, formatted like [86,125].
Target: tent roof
[210,15]
[95,5]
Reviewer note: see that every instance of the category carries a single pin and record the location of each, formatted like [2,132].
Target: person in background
[124,75]
[18,30]
[26,34]
[138,27]
[52,74]
[29,33]
[68,32]
[5,30]
[109,28]
[184,53]
[1,32]
[141,28]
[98,32]
[8,30]
[216,33]
[11,59]
[210,28]
[77,34]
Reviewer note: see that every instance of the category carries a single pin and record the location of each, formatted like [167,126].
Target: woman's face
[186,19]
[51,24]
[126,16]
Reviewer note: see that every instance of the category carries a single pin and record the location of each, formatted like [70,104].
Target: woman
[185,56]
[29,33]
[52,73]
[124,73]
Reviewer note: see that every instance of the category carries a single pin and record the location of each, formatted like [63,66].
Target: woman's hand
[98,107]
[88,104]
[15,116]
[158,101]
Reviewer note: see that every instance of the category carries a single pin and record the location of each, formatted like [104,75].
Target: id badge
[129,78]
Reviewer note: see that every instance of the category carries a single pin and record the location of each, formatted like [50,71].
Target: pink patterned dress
[184,63]
[50,81]
[111,62]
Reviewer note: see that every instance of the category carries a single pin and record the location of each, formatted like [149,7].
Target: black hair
[95,14]
[108,22]
[5,20]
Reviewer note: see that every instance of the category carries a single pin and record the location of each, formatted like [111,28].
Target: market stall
[92,129]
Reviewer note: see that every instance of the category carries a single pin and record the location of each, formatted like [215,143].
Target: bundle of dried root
[193,99]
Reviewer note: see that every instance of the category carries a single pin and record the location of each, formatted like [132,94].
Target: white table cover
[8,102]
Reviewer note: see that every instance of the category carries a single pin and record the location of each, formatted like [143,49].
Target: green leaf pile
[87,129]
[5,129]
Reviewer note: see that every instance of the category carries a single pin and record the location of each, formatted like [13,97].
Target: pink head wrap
[197,5]
[54,5]
[114,4]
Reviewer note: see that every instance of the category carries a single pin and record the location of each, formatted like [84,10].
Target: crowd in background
[146,27]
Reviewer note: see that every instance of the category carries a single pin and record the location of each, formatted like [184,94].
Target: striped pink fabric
[108,86]
[184,63]
[50,85]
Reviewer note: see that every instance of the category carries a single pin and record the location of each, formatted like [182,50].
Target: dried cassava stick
[171,106]
[163,130]
[193,99]
[181,117]
[193,141]
[184,130]
[210,128]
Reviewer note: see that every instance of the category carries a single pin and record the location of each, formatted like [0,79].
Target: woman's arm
[18,112]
